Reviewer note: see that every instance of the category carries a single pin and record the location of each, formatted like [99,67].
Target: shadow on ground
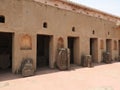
[8,75]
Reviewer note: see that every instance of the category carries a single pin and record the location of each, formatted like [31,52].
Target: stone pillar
[52,52]
[19,54]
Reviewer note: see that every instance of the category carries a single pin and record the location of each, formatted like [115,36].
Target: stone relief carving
[107,57]
[87,61]
[63,59]
[63,55]
[26,68]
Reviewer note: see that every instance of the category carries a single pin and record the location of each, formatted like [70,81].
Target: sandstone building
[33,28]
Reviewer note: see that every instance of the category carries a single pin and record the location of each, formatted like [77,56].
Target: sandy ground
[101,77]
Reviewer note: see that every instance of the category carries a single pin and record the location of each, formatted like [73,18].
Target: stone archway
[60,43]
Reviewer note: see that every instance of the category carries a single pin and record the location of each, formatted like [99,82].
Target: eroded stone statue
[107,57]
[26,68]
[86,61]
[63,59]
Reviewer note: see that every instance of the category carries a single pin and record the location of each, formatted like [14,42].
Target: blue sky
[109,6]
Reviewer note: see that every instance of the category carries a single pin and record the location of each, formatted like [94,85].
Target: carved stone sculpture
[27,67]
[107,57]
[63,59]
[86,61]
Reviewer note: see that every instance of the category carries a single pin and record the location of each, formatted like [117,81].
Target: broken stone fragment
[63,59]
[27,67]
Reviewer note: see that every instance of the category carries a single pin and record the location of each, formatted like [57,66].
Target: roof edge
[89,8]
[79,8]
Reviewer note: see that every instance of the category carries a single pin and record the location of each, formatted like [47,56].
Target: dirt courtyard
[101,77]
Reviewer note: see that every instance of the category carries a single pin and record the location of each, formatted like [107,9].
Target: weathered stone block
[26,68]
[86,61]
[63,59]
[107,57]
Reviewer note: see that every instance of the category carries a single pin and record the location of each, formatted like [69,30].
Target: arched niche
[60,43]
[26,42]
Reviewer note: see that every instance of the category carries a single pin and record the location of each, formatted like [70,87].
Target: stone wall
[27,17]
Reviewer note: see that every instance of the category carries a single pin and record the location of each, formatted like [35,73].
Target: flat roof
[75,7]
[89,8]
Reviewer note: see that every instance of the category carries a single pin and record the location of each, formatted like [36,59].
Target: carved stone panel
[63,59]
[87,61]
[107,57]
[26,68]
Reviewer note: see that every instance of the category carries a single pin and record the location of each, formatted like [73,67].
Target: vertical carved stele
[26,42]
[60,43]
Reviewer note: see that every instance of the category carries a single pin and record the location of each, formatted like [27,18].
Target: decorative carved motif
[63,59]
[87,61]
[107,57]
[26,68]
[26,42]
[63,55]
